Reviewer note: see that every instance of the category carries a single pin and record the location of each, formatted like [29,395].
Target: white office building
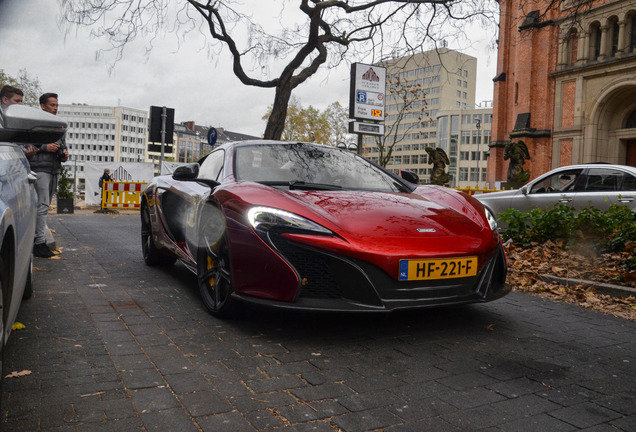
[103,134]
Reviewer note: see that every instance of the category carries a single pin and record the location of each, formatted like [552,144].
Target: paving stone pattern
[114,345]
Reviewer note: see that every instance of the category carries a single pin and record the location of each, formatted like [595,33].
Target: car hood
[389,223]
[386,214]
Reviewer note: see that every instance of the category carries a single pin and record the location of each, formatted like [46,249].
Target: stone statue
[439,159]
[517,152]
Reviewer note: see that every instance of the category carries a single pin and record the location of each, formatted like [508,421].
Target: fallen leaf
[18,326]
[16,374]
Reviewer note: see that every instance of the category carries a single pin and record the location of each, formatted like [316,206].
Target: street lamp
[478,126]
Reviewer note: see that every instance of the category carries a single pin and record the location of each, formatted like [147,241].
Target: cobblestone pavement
[113,345]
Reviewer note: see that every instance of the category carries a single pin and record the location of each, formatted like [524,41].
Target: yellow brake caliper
[209,267]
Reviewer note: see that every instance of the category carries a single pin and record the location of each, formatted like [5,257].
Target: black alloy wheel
[152,257]
[215,275]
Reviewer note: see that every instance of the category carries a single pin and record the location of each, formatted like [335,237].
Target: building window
[476,137]
[474,174]
[595,40]
[463,155]
[463,174]
[486,137]
[475,155]
[632,39]
[614,37]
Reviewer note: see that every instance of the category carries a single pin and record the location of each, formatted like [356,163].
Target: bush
[64,186]
[610,229]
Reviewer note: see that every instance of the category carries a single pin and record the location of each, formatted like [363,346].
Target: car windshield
[308,166]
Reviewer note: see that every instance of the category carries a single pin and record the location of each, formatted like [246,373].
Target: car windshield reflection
[310,167]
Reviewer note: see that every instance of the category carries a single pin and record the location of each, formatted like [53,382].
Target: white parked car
[587,185]
[18,201]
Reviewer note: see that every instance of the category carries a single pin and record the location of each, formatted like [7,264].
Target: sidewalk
[113,345]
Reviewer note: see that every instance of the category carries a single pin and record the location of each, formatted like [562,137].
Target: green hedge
[609,229]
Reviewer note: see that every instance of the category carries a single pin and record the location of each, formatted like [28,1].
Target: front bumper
[336,283]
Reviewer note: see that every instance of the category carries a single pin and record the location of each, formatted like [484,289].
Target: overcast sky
[185,78]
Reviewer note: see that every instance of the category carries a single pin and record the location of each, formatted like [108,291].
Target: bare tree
[411,104]
[323,33]
[30,86]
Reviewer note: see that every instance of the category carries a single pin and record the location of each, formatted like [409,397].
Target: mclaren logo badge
[426,230]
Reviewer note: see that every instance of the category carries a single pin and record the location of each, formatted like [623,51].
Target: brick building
[565,84]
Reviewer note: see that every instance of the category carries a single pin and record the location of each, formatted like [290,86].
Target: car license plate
[448,268]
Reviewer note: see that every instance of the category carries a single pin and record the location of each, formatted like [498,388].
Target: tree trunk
[276,122]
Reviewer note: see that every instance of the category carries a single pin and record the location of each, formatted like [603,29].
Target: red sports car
[307,226]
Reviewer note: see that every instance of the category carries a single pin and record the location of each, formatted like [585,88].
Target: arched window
[572,47]
[613,28]
[632,37]
[595,40]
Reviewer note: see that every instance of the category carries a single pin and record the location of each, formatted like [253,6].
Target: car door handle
[625,199]
[32,177]
[565,199]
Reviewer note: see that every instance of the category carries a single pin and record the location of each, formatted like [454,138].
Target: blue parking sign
[212,136]
[362,97]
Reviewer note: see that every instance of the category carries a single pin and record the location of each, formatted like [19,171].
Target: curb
[603,288]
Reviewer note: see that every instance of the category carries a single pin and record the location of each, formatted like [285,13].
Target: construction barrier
[477,190]
[122,194]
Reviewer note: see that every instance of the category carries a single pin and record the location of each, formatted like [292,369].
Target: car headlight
[491,220]
[265,219]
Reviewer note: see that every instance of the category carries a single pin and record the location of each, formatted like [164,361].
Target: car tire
[28,287]
[214,275]
[4,304]
[152,256]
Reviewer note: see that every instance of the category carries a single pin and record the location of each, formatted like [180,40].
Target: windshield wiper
[301,185]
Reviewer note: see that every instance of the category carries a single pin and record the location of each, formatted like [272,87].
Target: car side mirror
[186,172]
[24,124]
[524,189]
[410,176]
[190,172]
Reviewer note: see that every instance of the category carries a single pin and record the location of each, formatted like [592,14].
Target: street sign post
[212,136]
[366,128]
[366,100]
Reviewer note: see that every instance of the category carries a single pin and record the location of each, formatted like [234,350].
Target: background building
[423,90]
[565,84]
[103,134]
[464,135]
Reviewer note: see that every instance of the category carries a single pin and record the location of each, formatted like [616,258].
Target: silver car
[19,124]
[587,185]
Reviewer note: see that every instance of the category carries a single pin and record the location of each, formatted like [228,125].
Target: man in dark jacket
[46,161]
[104,178]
